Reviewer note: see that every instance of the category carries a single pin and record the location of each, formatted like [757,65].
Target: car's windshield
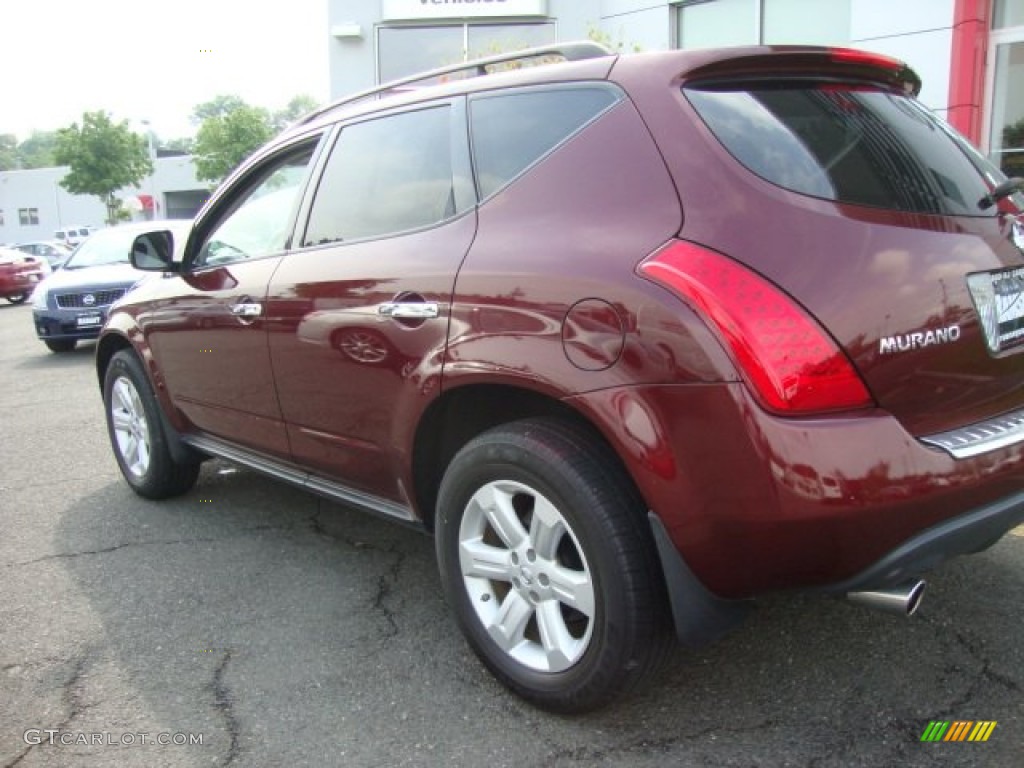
[109,246]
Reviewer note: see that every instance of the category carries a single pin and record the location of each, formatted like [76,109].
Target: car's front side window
[258,221]
[384,176]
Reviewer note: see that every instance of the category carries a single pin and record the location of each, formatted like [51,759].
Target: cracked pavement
[287,630]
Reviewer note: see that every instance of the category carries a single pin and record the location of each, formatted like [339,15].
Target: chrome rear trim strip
[985,436]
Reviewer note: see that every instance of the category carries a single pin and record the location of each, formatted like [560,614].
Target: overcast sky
[140,59]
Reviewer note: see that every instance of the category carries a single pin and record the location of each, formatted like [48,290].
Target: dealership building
[969,53]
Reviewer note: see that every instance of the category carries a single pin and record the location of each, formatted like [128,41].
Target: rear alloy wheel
[18,298]
[60,345]
[137,433]
[546,558]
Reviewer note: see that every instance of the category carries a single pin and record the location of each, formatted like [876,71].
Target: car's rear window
[853,144]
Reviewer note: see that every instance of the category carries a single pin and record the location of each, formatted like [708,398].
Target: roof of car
[591,61]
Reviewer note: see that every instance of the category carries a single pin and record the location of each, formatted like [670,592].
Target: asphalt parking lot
[282,630]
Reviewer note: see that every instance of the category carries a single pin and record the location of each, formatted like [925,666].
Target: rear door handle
[409,310]
[246,310]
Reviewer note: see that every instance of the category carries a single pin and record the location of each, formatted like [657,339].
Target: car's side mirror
[153,252]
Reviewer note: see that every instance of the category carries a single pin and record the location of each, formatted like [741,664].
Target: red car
[19,274]
[642,338]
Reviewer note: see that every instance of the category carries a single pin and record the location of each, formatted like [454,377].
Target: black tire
[153,472]
[18,298]
[540,465]
[60,345]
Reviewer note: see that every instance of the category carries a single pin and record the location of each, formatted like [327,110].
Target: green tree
[298,107]
[224,141]
[37,151]
[218,106]
[8,152]
[103,157]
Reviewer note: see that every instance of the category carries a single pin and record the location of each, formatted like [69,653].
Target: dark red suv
[637,338]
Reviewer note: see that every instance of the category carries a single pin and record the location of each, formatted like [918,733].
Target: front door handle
[409,310]
[247,310]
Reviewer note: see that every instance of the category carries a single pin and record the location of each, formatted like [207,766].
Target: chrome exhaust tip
[902,600]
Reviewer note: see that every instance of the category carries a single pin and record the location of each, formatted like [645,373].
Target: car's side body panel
[544,247]
[216,365]
[352,382]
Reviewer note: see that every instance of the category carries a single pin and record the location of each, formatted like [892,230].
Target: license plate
[89,320]
[999,299]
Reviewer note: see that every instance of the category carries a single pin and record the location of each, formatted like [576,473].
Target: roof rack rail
[573,51]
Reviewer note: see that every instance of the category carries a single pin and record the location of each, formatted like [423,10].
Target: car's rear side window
[384,176]
[512,130]
[855,144]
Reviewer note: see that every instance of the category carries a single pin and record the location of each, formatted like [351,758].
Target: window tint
[862,146]
[385,176]
[512,131]
[259,222]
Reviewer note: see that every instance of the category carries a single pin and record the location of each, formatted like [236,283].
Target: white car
[73,236]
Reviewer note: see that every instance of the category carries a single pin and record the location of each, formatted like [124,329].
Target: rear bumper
[964,535]
[754,503]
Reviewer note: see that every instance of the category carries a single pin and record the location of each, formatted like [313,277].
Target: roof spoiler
[771,62]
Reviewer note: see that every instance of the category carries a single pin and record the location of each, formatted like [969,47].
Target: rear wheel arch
[462,413]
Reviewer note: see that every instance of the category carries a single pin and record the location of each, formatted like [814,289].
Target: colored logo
[958,730]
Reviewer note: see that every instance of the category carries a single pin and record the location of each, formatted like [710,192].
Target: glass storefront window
[1007,13]
[718,23]
[404,51]
[807,22]
[1006,142]
[492,39]
[714,23]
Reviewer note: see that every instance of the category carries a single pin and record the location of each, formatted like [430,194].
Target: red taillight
[791,364]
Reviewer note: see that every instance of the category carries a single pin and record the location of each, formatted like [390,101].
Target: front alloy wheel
[130,428]
[137,433]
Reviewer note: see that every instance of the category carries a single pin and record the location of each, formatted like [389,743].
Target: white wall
[41,189]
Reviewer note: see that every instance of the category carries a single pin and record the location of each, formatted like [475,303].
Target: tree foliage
[34,152]
[8,152]
[103,157]
[224,141]
[298,107]
[218,106]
